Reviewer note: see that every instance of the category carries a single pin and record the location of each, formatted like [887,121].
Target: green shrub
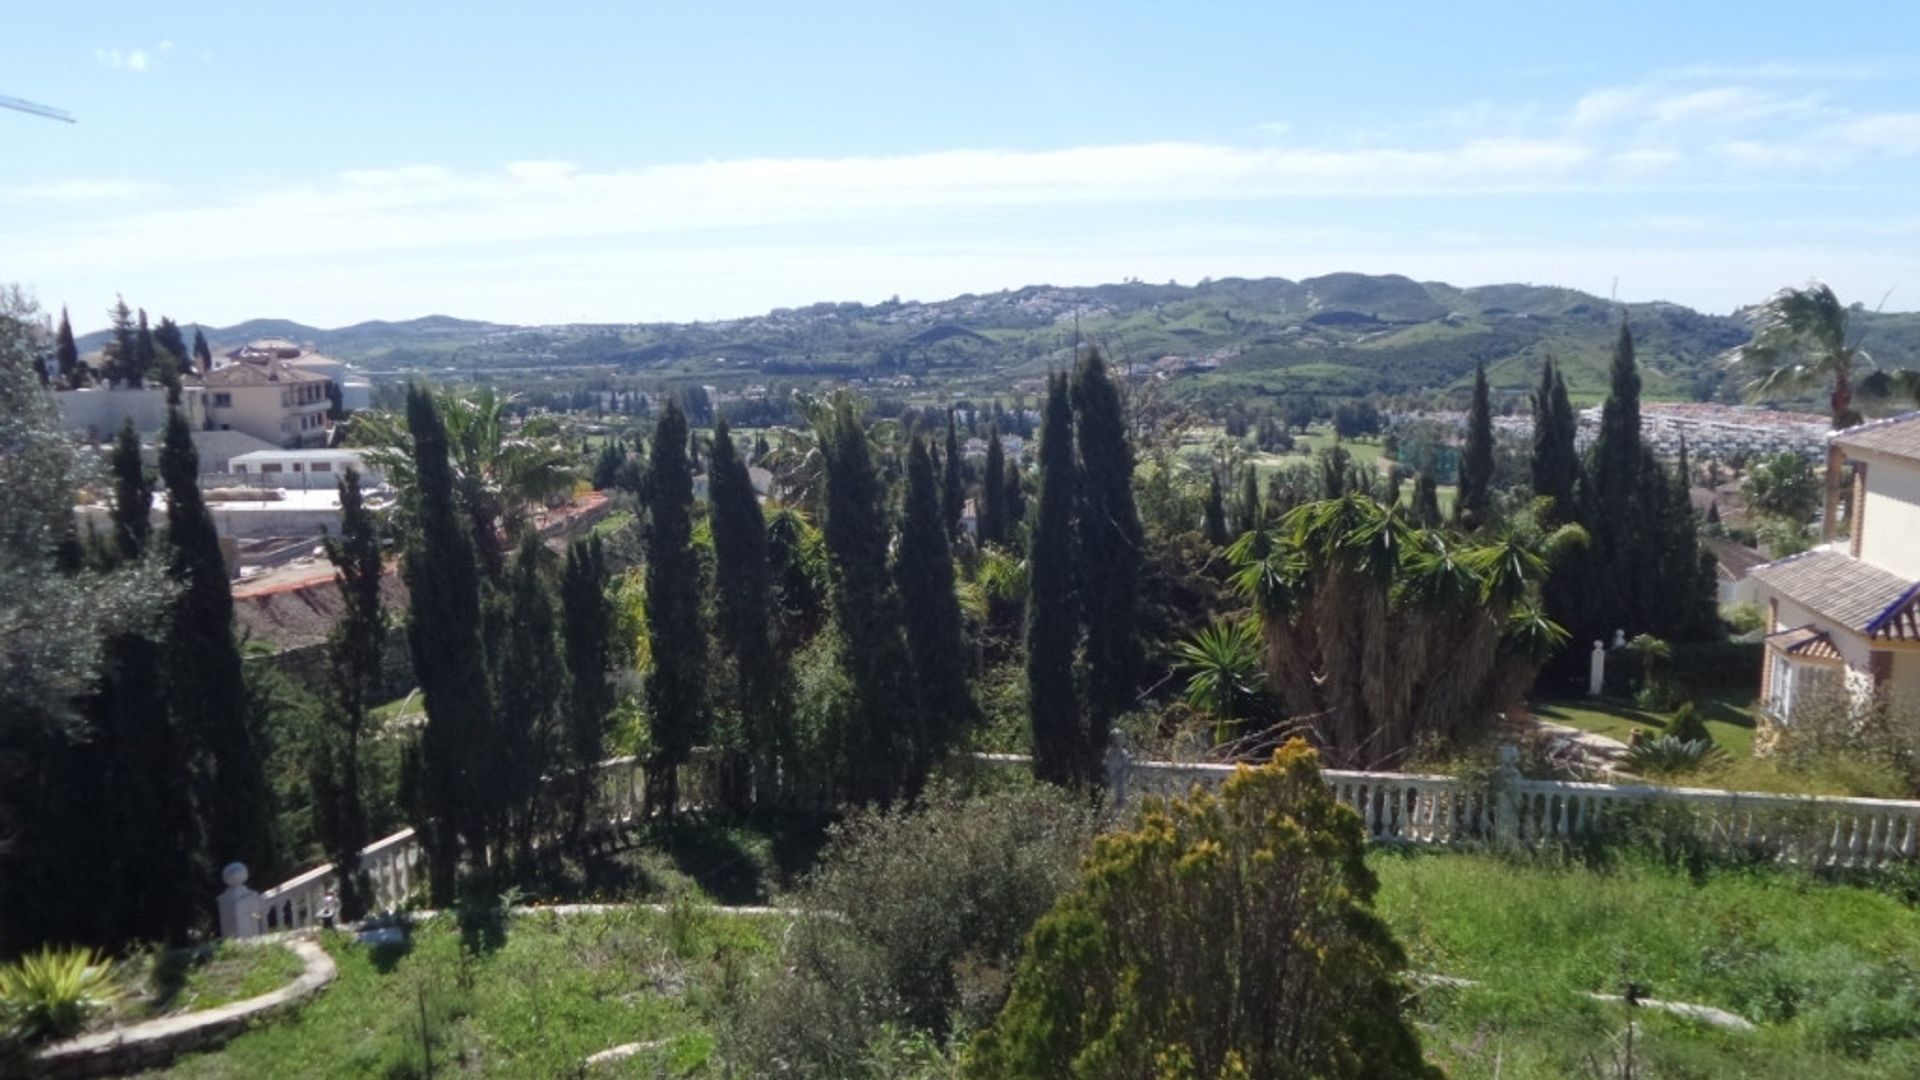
[1687,726]
[917,916]
[1223,936]
[50,994]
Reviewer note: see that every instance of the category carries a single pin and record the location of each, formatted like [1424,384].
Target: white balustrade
[1395,808]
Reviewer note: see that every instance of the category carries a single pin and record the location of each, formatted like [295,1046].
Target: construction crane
[47,111]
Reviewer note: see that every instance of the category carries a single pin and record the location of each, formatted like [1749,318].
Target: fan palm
[500,473]
[1803,343]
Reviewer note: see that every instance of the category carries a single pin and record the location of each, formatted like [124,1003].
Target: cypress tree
[1556,464]
[532,685]
[443,637]
[677,685]
[1426,500]
[1052,606]
[1111,539]
[873,653]
[356,652]
[167,337]
[206,687]
[143,352]
[587,624]
[744,611]
[132,494]
[1616,450]
[1016,502]
[1474,503]
[119,362]
[953,491]
[1216,512]
[992,508]
[67,355]
[1246,508]
[931,611]
[202,354]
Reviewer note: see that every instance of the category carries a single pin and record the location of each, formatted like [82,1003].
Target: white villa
[1846,616]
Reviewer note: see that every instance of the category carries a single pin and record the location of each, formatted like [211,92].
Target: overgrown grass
[163,984]
[1728,721]
[1830,972]
[535,1004]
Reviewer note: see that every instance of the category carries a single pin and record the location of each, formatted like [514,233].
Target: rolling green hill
[1219,341]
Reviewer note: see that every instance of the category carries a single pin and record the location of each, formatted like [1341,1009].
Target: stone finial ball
[235,875]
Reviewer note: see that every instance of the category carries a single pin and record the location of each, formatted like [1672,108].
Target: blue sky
[637,161]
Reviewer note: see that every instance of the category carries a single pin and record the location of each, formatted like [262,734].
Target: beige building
[1845,617]
[272,400]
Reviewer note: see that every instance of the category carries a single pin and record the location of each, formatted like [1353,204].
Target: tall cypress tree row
[1474,503]
[992,507]
[931,611]
[873,654]
[677,685]
[1053,613]
[132,494]
[1016,503]
[744,610]
[1111,539]
[587,625]
[443,637]
[1556,464]
[953,490]
[356,651]
[205,685]
[67,355]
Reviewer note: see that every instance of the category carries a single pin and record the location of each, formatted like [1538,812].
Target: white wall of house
[300,468]
[290,414]
[1854,649]
[96,413]
[1891,539]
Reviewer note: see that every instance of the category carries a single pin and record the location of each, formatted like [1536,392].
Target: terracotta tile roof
[246,374]
[1810,642]
[1735,559]
[1896,435]
[1858,595]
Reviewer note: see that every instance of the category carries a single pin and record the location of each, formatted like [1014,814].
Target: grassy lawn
[1830,973]
[163,984]
[1730,725]
[533,999]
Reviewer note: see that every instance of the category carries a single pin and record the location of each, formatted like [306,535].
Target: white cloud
[137,60]
[1894,132]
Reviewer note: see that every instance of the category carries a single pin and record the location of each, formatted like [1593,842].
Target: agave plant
[1669,755]
[49,994]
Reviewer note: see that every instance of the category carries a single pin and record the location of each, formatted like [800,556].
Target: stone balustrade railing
[394,866]
[1403,808]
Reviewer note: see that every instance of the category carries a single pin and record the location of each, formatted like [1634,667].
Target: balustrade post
[239,906]
[1597,671]
[1506,798]
[1119,765]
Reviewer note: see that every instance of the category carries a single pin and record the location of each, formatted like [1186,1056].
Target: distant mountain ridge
[1336,334]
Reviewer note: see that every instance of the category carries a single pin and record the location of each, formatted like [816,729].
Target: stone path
[1603,754]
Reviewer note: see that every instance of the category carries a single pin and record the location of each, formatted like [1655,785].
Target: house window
[322,466]
[296,466]
[223,401]
[272,468]
[1799,684]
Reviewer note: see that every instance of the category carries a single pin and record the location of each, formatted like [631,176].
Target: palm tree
[1802,343]
[500,472]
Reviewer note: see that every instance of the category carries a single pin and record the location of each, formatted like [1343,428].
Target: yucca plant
[1223,667]
[51,993]
[1668,755]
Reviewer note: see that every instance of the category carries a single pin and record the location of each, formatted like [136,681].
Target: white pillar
[1119,768]
[239,906]
[1597,670]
